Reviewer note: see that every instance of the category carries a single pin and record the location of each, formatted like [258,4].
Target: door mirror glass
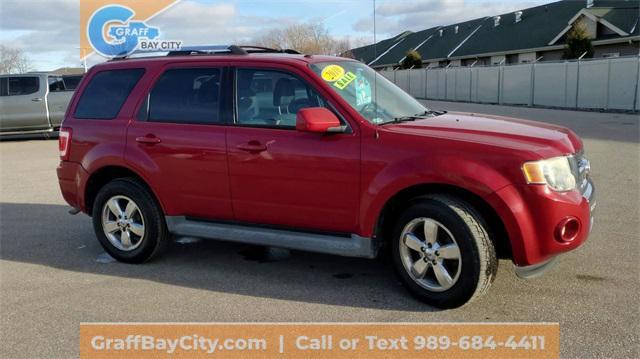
[317,119]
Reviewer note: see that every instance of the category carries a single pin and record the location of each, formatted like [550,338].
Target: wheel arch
[407,196]
[106,174]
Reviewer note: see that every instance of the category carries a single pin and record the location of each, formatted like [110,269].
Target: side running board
[353,246]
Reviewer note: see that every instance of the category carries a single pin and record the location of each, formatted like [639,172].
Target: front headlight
[554,172]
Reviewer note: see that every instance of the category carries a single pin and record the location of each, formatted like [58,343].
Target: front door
[178,140]
[283,177]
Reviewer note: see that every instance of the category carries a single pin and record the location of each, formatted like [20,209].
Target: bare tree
[13,61]
[311,38]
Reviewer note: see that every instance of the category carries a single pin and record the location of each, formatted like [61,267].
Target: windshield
[371,94]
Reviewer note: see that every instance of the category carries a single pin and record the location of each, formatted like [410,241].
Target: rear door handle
[36,99]
[149,139]
[252,146]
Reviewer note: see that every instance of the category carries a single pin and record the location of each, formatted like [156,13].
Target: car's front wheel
[442,251]
[128,221]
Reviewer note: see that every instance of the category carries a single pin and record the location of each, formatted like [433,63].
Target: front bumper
[536,270]
[531,214]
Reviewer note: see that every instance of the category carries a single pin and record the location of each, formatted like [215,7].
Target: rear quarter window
[106,92]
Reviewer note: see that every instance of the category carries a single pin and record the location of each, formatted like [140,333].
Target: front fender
[473,176]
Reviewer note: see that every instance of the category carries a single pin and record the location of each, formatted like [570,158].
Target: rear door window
[106,92]
[23,85]
[185,95]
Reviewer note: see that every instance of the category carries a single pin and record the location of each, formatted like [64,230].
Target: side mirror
[317,119]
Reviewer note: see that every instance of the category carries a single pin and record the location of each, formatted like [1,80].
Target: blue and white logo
[112,32]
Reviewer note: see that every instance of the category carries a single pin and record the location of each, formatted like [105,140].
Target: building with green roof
[524,36]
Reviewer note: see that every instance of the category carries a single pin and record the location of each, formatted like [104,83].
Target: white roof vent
[518,15]
[457,28]
[496,21]
[589,3]
[440,32]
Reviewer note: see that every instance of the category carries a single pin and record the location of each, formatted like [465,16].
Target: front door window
[270,98]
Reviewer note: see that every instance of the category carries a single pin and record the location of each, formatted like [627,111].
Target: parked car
[34,102]
[318,153]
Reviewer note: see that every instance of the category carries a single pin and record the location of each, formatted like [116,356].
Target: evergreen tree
[577,43]
[412,60]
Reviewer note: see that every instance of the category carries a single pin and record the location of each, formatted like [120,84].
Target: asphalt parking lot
[53,274]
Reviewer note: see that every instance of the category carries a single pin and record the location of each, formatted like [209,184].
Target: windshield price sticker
[332,73]
[343,82]
[331,341]
[363,91]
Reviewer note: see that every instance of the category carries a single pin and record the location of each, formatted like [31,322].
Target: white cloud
[44,30]
[417,6]
[218,23]
[48,31]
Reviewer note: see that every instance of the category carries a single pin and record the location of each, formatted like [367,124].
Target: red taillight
[64,141]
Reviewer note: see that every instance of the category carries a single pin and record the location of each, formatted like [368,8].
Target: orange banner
[326,340]
[139,10]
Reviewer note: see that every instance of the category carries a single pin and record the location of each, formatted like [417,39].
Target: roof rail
[210,50]
[254,49]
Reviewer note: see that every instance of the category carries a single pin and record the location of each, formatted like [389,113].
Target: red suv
[320,154]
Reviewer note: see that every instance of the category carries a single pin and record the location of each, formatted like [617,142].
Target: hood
[544,139]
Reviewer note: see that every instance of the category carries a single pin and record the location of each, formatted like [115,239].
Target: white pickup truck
[34,102]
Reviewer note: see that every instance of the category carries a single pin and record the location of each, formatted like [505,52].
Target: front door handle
[149,139]
[252,146]
[36,99]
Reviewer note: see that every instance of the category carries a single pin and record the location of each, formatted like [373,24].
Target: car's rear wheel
[442,251]
[128,221]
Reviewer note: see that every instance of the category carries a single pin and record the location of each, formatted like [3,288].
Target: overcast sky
[48,30]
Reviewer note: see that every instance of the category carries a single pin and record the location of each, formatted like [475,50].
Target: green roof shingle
[369,53]
[539,25]
[622,18]
[441,47]
[398,52]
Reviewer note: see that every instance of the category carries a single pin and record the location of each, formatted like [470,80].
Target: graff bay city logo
[115,30]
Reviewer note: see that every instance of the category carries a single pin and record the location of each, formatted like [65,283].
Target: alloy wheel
[123,223]
[430,254]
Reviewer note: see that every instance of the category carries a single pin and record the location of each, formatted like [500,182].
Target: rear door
[57,99]
[178,141]
[24,106]
[283,177]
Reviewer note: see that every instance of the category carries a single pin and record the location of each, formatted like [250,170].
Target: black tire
[479,263]
[156,236]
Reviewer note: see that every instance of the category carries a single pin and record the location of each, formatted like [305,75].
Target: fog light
[567,230]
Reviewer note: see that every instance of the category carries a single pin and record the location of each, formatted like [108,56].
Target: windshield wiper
[402,119]
[432,112]
[406,118]
[418,116]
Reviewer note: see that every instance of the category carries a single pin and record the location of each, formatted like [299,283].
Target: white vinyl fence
[609,84]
